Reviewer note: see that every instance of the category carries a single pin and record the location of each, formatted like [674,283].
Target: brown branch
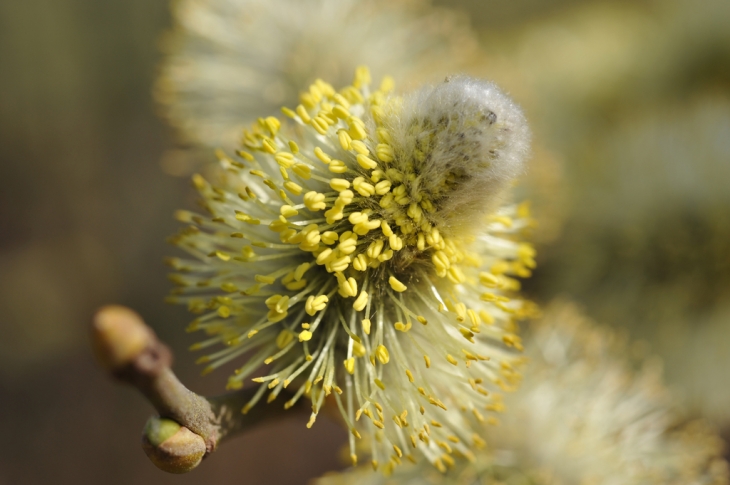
[189,426]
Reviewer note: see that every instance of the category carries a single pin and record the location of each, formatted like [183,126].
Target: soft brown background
[85,208]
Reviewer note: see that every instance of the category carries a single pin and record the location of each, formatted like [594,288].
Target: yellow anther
[366,326]
[357,217]
[499,268]
[303,115]
[348,245]
[284,159]
[455,275]
[396,243]
[527,253]
[415,212]
[345,197]
[382,187]
[278,303]
[438,403]
[221,255]
[386,201]
[278,225]
[344,138]
[337,166]
[358,349]
[385,255]
[486,317]
[421,242]
[489,280]
[288,211]
[314,201]
[363,188]
[269,280]
[363,227]
[361,301]
[348,287]
[467,334]
[357,131]
[397,285]
[366,162]
[315,304]
[320,124]
[362,77]
[340,112]
[293,187]
[243,217]
[302,171]
[340,100]
[506,221]
[284,338]
[385,227]
[441,260]
[288,112]
[330,237]
[276,316]
[295,285]
[301,269]
[381,353]
[402,327]
[359,147]
[229,287]
[350,365]
[268,145]
[272,124]
[383,135]
[325,256]
[384,152]
[311,98]
[323,157]
[473,319]
[375,248]
[339,185]
[513,341]
[360,263]
[376,175]
[334,214]
[339,264]
[352,94]
[305,335]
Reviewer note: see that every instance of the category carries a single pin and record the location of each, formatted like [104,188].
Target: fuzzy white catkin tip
[466,140]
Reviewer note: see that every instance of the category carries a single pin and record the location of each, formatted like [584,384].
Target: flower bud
[118,336]
[171,447]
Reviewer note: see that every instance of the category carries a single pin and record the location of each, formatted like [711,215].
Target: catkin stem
[131,353]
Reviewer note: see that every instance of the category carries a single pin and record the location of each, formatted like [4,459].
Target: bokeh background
[630,104]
